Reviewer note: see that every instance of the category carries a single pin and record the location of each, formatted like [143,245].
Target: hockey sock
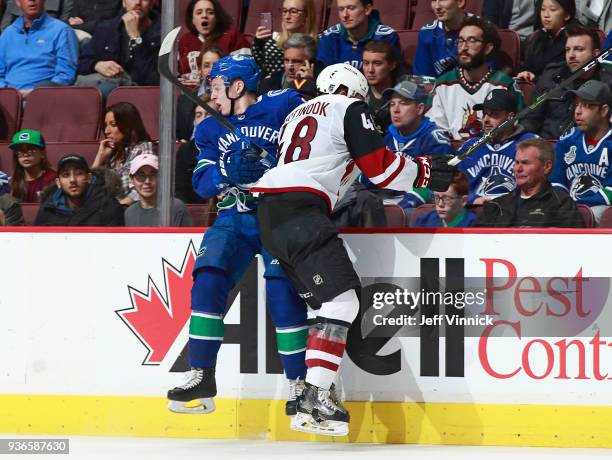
[288,314]
[209,294]
[327,338]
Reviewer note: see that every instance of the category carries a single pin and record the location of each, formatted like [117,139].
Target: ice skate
[318,413]
[296,388]
[199,390]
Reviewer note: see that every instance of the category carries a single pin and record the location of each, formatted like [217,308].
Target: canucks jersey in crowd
[261,123]
[582,168]
[335,47]
[428,139]
[490,168]
[436,51]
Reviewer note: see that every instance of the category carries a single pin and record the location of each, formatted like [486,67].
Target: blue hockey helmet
[240,66]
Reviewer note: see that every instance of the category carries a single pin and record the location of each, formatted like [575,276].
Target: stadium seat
[602,37]
[202,215]
[232,7]
[29,211]
[423,14]
[510,48]
[146,100]
[587,215]
[64,114]
[10,105]
[56,150]
[395,216]
[606,218]
[408,41]
[273,6]
[527,88]
[393,13]
[423,209]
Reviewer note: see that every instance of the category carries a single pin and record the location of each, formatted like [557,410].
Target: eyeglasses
[470,42]
[291,11]
[445,199]
[141,177]
[26,153]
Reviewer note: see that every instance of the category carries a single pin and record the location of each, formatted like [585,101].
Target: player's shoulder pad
[569,133]
[276,92]
[335,29]
[432,25]
[384,30]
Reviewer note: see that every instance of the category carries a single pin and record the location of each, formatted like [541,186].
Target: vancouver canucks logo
[584,185]
[570,155]
[496,184]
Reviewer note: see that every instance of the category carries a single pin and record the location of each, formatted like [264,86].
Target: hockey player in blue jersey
[226,167]
[582,155]
[490,168]
[359,24]
[436,51]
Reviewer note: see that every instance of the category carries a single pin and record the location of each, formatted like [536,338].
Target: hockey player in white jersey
[324,144]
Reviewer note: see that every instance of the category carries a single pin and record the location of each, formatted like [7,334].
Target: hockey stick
[164,68]
[540,99]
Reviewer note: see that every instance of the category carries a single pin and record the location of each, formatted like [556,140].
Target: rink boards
[95,327]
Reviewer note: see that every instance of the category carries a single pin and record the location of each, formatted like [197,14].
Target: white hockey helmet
[334,76]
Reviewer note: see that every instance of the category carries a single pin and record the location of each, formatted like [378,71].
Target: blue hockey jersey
[583,170]
[335,47]
[261,123]
[490,168]
[436,51]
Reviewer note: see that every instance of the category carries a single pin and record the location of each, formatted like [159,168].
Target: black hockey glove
[434,172]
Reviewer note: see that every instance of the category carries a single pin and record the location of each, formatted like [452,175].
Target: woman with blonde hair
[298,16]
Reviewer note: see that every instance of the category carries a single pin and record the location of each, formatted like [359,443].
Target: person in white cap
[144,212]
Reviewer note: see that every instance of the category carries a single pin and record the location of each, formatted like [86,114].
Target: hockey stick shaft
[531,107]
[164,68]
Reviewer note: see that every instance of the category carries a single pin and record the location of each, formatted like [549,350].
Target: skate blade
[306,424]
[197,406]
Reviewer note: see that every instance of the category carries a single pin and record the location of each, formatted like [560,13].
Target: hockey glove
[241,166]
[434,172]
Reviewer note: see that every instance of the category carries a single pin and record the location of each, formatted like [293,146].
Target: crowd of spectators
[458,87]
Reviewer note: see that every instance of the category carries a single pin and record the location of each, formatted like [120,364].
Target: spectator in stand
[123,50]
[450,207]
[81,197]
[31,170]
[86,14]
[517,15]
[595,14]
[184,106]
[298,16]
[534,202]
[186,159]
[582,163]
[37,50]
[411,134]
[490,168]
[58,9]
[144,213]
[547,44]
[555,116]
[436,51]
[210,25]
[359,23]
[126,138]
[10,210]
[381,70]
[299,67]
[456,92]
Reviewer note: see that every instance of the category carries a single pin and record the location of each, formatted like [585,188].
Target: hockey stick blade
[164,68]
[535,104]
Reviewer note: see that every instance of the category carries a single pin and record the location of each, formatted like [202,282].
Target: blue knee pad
[209,294]
[288,314]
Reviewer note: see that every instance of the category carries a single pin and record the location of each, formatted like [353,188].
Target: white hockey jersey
[323,145]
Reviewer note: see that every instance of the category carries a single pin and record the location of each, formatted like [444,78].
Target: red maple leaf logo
[157,318]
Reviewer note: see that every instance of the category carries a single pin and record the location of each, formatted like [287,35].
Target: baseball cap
[593,91]
[499,99]
[29,137]
[407,89]
[72,158]
[144,159]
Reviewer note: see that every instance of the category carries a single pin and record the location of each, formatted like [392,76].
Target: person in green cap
[31,169]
